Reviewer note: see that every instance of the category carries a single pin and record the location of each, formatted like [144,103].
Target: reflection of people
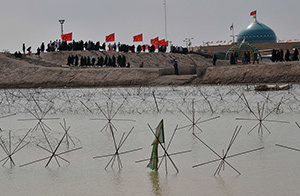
[176,68]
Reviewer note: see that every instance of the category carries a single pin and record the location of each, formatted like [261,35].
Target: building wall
[260,46]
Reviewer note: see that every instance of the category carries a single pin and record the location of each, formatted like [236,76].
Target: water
[271,171]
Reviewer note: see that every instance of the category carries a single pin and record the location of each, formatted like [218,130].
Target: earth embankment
[146,69]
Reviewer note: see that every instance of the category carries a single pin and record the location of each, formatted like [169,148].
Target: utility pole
[62,26]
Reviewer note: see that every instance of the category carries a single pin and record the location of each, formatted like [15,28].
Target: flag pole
[165,6]
[233,33]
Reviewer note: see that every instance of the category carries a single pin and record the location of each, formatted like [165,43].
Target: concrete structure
[257,34]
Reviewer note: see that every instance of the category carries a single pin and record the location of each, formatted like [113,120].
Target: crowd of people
[246,58]
[83,61]
[278,55]
[59,45]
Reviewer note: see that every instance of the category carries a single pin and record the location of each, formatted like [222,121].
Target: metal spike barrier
[225,155]
[260,118]
[117,154]
[194,122]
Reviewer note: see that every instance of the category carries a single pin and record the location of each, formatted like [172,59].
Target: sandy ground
[50,71]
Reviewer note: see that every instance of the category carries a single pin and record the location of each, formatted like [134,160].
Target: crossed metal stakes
[9,115]
[66,129]
[126,94]
[185,95]
[225,155]
[287,147]
[109,94]
[40,117]
[193,120]
[118,146]
[68,101]
[8,149]
[165,149]
[208,102]
[54,151]
[162,97]
[109,116]
[89,95]
[260,118]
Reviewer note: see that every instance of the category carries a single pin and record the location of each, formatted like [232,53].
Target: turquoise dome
[257,32]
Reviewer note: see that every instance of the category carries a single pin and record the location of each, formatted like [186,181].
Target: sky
[35,21]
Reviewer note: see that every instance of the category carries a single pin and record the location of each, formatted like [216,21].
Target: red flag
[138,38]
[161,42]
[253,13]
[110,38]
[155,41]
[66,37]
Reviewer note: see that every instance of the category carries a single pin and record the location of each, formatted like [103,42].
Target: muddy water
[271,171]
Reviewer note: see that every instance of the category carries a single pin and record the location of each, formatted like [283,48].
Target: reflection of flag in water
[66,37]
[159,138]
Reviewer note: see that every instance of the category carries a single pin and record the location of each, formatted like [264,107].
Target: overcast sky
[36,21]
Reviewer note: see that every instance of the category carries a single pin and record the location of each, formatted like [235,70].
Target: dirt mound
[284,72]
[50,71]
[33,72]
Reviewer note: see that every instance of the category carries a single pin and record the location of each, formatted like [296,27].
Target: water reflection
[226,190]
[154,178]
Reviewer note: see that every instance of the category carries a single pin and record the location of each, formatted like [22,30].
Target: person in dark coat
[280,58]
[42,47]
[81,61]
[214,59]
[255,58]
[76,60]
[93,61]
[232,60]
[176,68]
[114,61]
[88,61]
[69,60]
[139,49]
[23,48]
[38,52]
[29,50]
[296,54]
[287,55]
